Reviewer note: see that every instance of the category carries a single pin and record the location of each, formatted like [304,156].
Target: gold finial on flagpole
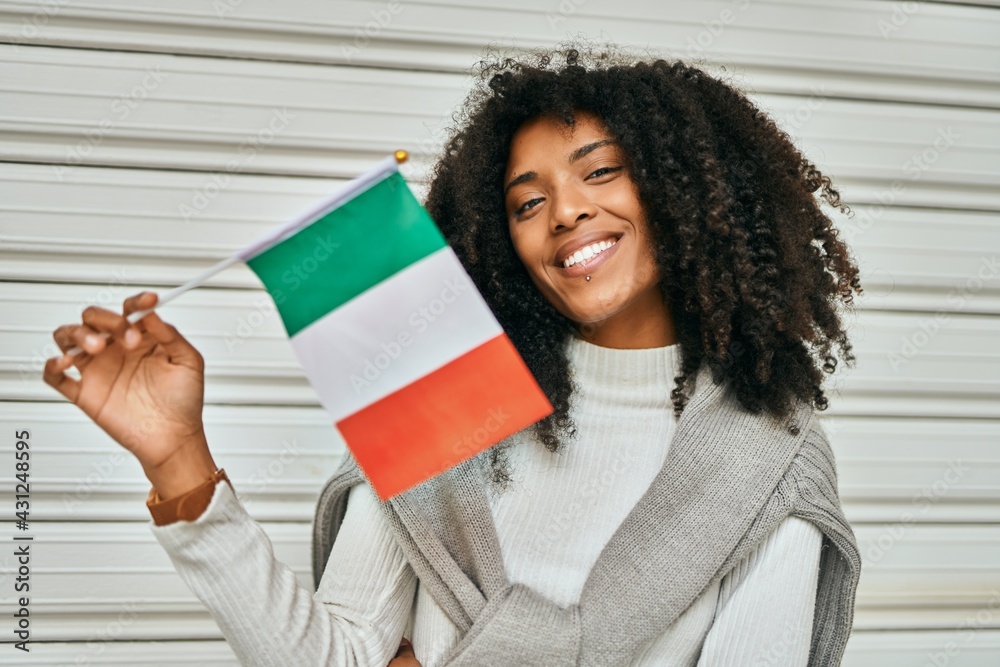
[401,156]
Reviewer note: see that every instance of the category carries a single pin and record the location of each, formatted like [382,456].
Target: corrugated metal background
[139,143]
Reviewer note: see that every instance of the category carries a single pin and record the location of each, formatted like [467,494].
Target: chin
[594,315]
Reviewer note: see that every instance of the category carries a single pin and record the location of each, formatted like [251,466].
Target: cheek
[527,245]
[623,204]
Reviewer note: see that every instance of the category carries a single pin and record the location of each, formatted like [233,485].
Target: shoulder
[812,476]
[811,488]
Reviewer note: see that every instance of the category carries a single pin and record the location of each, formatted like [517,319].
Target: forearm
[267,617]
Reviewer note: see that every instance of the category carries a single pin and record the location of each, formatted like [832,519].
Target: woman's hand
[144,385]
[404,656]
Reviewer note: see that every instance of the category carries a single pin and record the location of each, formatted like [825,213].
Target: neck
[644,323]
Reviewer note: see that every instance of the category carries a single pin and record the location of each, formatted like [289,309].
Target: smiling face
[573,211]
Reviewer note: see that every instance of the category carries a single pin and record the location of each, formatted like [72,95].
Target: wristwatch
[185,507]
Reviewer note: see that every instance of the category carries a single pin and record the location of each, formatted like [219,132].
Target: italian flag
[391,332]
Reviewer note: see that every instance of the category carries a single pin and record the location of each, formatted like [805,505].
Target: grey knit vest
[729,478]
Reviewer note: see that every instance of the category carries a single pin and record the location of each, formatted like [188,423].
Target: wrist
[187,468]
[187,507]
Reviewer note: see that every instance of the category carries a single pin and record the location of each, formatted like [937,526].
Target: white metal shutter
[141,141]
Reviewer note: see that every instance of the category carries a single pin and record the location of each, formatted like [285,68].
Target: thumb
[166,335]
[178,348]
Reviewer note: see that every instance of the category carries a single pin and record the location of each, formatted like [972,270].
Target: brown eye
[604,170]
[524,207]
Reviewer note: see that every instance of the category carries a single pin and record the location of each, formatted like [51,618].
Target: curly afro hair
[751,266]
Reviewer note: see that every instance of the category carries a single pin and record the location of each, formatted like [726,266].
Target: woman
[652,245]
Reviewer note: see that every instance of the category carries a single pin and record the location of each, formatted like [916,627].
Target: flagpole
[180,289]
[169,296]
[356,185]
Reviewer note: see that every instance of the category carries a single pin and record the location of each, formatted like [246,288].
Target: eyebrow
[526,176]
[573,157]
[583,150]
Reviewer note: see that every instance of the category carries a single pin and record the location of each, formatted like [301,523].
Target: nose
[570,206]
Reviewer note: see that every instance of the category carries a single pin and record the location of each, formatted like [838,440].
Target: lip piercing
[588,278]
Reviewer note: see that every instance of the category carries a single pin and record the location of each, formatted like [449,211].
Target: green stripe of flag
[353,247]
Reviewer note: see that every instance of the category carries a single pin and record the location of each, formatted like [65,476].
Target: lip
[579,269]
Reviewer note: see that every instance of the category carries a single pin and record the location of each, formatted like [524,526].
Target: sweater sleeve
[355,618]
[766,603]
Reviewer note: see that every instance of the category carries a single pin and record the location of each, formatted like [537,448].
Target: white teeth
[587,252]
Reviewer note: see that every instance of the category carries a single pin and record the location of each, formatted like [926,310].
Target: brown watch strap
[185,507]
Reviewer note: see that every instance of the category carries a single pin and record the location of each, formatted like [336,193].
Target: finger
[55,376]
[63,336]
[71,341]
[139,301]
[115,325]
[87,339]
[73,353]
[173,343]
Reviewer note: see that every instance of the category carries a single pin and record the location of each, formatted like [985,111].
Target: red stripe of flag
[434,423]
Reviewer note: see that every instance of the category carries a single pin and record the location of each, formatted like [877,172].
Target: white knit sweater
[552,525]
